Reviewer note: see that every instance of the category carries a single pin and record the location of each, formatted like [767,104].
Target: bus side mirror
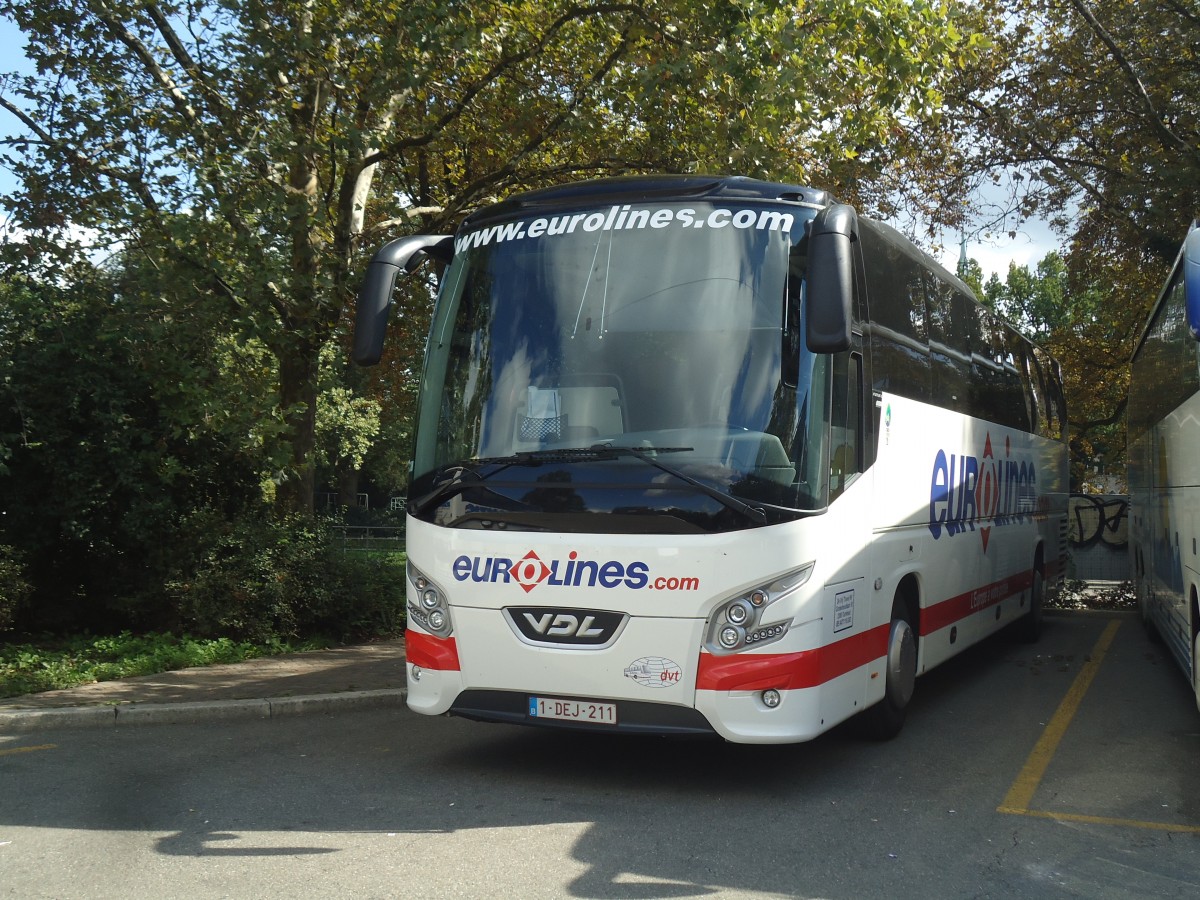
[375,297]
[1191,279]
[829,296]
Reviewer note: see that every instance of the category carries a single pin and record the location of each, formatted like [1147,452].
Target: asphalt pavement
[366,675]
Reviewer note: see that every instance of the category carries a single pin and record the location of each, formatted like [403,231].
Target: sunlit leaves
[257,151]
[1098,105]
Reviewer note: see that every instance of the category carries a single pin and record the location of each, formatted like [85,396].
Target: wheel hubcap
[902,663]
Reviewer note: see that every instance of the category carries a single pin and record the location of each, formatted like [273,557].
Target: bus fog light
[730,637]
[416,673]
[770,698]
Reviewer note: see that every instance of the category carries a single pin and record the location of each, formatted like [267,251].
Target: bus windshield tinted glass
[662,326]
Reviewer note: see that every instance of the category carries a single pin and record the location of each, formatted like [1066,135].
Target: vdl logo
[582,629]
[965,490]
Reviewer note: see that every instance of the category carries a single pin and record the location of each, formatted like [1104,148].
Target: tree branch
[221,108]
[1081,428]
[142,53]
[132,180]
[487,182]
[498,68]
[1169,138]
[405,218]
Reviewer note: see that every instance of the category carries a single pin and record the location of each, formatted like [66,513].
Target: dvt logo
[579,628]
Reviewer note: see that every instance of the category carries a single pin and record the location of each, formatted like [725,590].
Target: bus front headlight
[745,620]
[427,604]
[739,612]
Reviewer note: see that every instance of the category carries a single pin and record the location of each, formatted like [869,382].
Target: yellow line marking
[1020,795]
[1104,820]
[15,750]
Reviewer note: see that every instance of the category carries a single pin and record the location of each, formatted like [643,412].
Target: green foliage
[28,668]
[281,579]
[1074,317]
[346,424]
[252,154]
[238,162]
[112,437]
[1097,105]
[1038,303]
[14,586]
[1094,109]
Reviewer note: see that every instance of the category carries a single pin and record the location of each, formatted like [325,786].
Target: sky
[993,252]
[996,248]
[12,59]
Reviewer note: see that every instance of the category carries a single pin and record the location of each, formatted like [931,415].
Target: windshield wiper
[465,477]
[753,513]
[462,478]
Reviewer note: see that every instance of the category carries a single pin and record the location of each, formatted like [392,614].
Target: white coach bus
[712,455]
[1164,463]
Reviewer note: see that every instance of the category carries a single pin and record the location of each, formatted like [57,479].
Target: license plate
[573,710]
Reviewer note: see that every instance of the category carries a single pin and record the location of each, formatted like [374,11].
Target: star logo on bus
[530,571]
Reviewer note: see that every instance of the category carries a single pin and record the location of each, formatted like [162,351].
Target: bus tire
[1141,591]
[1195,605]
[884,720]
[1148,623]
[1029,626]
[1196,667]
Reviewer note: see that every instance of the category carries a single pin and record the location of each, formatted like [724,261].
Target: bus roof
[645,188]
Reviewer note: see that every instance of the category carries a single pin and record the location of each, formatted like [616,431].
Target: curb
[129,714]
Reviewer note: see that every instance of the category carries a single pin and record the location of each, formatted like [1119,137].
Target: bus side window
[846,422]
[899,332]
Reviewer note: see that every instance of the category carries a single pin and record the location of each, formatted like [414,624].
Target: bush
[272,580]
[14,588]
[54,664]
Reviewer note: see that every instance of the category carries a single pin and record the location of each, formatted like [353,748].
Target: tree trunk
[348,488]
[298,399]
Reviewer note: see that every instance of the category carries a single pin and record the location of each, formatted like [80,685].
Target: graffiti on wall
[1099,519]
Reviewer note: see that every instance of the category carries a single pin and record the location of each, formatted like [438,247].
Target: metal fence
[370,538]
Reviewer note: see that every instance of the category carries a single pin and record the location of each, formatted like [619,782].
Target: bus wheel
[1141,591]
[1029,626]
[1196,667]
[884,720]
[1196,647]
[1148,622]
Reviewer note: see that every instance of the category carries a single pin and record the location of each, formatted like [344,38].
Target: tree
[1097,105]
[268,143]
[1078,322]
[113,440]
[1095,108]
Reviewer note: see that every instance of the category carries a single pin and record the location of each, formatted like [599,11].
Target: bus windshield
[671,330]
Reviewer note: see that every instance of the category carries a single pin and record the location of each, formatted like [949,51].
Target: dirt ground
[1094,595]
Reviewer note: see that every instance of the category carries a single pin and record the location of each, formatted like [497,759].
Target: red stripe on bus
[791,671]
[948,612]
[431,652]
